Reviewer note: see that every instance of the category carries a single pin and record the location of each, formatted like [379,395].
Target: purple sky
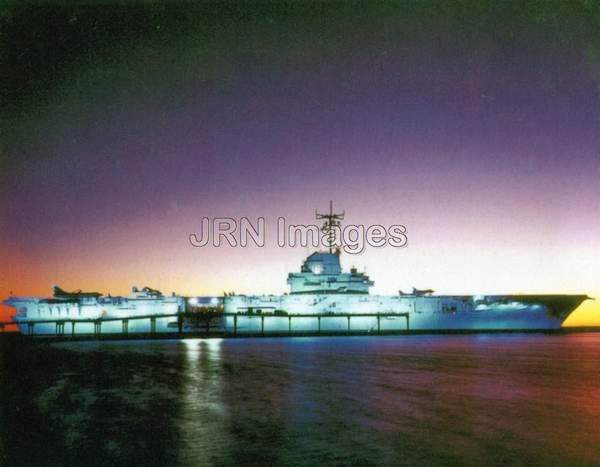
[475,125]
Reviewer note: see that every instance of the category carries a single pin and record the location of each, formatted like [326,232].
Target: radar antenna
[332,221]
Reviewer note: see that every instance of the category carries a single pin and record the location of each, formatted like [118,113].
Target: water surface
[528,399]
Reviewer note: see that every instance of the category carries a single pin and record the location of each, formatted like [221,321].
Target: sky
[474,124]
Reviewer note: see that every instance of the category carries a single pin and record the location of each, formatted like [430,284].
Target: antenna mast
[332,220]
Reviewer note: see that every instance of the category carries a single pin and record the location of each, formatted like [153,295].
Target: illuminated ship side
[332,296]
[79,312]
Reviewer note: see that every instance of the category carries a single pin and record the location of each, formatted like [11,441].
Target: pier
[194,325]
[209,325]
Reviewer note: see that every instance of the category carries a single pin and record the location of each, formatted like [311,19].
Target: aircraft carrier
[322,299]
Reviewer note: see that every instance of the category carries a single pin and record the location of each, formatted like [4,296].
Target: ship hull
[105,316]
[299,314]
[308,313]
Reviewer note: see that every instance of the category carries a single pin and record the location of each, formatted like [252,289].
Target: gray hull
[371,313]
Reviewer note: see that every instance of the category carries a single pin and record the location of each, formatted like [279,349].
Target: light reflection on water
[471,400]
[201,420]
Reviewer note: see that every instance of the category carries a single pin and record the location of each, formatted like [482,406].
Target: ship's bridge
[322,263]
[321,273]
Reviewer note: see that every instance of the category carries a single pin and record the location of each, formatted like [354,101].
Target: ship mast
[332,220]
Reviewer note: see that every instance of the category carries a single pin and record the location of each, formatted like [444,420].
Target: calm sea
[429,400]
